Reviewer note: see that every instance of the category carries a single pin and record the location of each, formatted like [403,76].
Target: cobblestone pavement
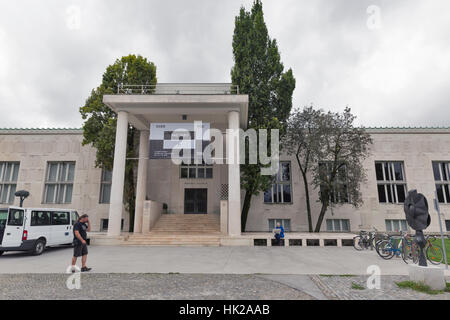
[201,287]
[148,287]
[340,288]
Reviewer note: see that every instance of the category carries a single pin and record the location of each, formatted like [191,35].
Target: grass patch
[356,286]
[438,242]
[347,275]
[420,287]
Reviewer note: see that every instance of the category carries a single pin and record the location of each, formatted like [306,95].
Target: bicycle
[389,248]
[365,240]
[433,252]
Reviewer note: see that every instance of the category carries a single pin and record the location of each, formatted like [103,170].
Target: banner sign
[162,141]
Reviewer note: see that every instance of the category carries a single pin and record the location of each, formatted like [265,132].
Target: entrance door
[195,201]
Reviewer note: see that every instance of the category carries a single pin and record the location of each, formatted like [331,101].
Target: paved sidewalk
[208,260]
[203,287]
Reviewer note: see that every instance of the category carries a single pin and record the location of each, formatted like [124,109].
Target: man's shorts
[80,250]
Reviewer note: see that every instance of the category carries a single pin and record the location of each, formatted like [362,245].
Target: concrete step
[181,230]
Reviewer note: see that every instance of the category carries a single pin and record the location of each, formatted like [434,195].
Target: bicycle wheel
[434,254]
[358,243]
[385,249]
[407,254]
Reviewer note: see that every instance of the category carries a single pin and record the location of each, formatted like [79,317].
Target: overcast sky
[388,60]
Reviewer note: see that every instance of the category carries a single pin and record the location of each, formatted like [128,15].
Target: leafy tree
[259,73]
[99,128]
[330,149]
[303,139]
[340,170]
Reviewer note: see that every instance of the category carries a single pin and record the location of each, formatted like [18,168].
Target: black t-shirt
[81,228]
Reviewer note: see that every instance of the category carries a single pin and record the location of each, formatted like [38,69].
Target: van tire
[2,252]
[38,248]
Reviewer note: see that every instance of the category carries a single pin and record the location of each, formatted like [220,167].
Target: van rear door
[14,228]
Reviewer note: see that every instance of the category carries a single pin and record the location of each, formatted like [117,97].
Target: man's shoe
[86,269]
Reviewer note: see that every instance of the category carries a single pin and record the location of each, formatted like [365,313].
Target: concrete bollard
[430,276]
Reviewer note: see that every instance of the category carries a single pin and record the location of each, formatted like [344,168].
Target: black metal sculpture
[418,218]
[22,194]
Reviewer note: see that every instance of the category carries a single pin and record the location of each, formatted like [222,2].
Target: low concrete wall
[152,212]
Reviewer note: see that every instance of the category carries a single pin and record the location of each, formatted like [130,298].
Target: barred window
[105,186]
[339,191]
[59,182]
[441,171]
[391,182]
[281,190]
[338,225]
[9,171]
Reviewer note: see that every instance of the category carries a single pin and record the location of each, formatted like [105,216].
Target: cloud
[52,53]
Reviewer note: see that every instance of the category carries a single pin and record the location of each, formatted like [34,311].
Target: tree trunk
[131,197]
[323,210]
[245,209]
[308,203]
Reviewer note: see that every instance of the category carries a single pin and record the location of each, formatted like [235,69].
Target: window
[15,217]
[396,225]
[59,182]
[391,182]
[285,223]
[60,218]
[104,224]
[447,224]
[441,171]
[338,225]
[40,218]
[339,192]
[281,190]
[105,186]
[3,217]
[196,172]
[9,171]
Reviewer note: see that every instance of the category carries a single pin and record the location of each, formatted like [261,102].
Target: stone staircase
[181,230]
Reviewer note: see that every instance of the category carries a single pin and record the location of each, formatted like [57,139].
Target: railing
[178,88]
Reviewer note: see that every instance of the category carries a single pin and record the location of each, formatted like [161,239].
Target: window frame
[9,183]
[104,182]
[277,183]
[335,196]
[392,182]
[341,229]
[58,183]
[444,183]
[282,222]
[197,168]
[400,221]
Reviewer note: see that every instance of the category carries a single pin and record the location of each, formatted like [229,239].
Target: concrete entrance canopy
[142,105]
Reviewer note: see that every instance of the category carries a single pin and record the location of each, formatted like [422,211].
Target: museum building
[59,172]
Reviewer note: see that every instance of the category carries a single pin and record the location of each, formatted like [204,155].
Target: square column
[118,176]
[234,175]
[141,188]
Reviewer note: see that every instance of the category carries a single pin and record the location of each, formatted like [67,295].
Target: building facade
[59,172]
[31,159]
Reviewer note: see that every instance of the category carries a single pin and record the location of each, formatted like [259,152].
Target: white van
[33,229]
